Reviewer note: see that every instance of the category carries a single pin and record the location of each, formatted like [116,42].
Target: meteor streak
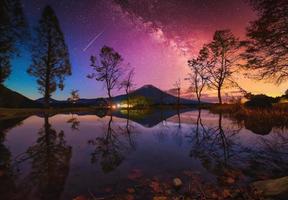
[93,40]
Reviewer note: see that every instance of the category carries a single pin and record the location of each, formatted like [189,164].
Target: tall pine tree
[50,56]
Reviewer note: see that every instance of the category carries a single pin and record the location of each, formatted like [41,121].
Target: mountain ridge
[12,99]
[150,92]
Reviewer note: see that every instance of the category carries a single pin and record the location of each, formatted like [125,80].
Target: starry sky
[156,37]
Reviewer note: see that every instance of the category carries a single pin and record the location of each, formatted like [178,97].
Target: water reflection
[111,145]
[75,123]
[7,172]
[222,152]
[270,156]
[50,159]
[110,149]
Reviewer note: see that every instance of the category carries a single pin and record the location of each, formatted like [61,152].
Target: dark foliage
[267,49]
[13,30]
[260,101]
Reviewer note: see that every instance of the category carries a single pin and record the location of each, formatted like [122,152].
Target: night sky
[157,37]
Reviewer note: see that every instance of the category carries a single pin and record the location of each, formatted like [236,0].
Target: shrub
[260,101]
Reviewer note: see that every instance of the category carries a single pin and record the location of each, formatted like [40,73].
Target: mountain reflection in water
[62,156]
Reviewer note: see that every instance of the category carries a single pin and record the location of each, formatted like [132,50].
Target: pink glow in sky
[157,37]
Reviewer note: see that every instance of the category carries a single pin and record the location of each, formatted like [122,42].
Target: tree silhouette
[50,55]
[50,162]
[197,76]
[75,123]
[177,87]
[109,150]
[127,84]
[267,49]
[223,52]
[74,96]
[8,172]
[109,69]
[13,29]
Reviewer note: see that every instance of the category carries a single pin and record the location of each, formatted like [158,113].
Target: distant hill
[150,92]
[80,102]
[12,99]
[155,95]
[51,101]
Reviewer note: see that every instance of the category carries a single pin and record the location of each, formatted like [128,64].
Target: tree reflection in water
[75,123]
[221,152]
[177,135]
[7,173]
[50,159]
[217,148]
[129,131]
[270,157]
[110,150]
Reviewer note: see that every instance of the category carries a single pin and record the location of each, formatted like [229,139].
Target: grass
[7,113]
[277,115]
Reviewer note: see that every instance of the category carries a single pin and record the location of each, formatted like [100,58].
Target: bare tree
[128,84]
[224,54]
[109,69]
[197,77]
[177,86]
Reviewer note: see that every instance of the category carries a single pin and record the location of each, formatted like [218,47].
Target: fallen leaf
[80,198]
[129,197]
[230,180]
[226,193]
[177,182]
[130,190]
[160,198]
[155,186]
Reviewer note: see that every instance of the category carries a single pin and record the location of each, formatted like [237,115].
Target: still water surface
[66,155]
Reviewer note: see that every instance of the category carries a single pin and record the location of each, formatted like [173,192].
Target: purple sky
[157,37]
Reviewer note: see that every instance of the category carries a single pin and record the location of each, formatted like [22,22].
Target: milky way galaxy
[156,37]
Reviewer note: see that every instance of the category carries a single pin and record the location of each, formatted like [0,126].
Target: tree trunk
[48,71]
[110,99]
[128,99]
[199,100]
[178,99]
[219,96]
[47,88]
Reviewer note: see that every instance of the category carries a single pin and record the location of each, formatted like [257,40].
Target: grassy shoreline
[234,110]
[6,113]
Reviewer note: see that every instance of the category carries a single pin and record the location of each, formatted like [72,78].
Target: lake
[136,154]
